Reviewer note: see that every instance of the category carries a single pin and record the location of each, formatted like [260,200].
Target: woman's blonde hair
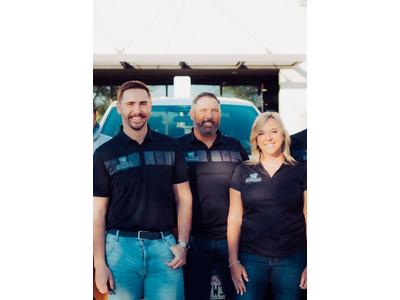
[255,130]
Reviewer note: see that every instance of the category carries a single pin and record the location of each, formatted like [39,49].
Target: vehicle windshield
[174,120]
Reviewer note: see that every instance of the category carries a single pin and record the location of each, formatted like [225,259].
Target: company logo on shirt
[124,163]
[191,156]
[253,177]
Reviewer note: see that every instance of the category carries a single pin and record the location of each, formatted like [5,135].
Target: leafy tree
[101,99]
[247,92]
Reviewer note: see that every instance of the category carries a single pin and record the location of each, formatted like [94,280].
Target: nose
[136,108]
[209,115]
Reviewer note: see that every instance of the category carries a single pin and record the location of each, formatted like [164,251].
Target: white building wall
[293,109]
[293,98]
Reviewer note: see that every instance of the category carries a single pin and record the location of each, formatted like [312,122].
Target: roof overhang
[196,61]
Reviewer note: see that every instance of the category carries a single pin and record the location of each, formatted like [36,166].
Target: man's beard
[137,127]
[207,131]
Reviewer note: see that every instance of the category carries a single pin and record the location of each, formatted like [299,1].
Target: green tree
[246,92]
[101,99]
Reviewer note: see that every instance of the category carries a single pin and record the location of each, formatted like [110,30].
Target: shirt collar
[219,140]
[126,139]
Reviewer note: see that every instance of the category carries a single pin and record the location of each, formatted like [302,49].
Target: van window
[174,120]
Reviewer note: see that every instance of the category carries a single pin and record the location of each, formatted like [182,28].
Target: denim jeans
[203,256]
[139,268]
[283,274]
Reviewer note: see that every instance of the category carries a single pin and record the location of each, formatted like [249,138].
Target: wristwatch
[184,245]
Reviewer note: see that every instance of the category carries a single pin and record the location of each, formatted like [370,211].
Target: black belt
[142,234]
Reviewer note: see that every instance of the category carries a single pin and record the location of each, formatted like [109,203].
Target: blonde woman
[267,216]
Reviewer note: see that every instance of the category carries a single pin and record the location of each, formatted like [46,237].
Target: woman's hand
[239,274]
[303,279]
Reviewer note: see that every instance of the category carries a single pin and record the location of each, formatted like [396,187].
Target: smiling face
[206,116]
[135,108]
[270,138]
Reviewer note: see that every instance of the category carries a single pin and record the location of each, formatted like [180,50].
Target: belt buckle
[141,231]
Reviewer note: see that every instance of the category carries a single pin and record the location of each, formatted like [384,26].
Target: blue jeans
[283,274]
[203,256]
[139,268]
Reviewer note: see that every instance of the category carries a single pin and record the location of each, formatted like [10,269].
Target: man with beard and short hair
[211,158]
[141,192]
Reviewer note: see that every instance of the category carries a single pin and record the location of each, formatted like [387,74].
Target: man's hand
[104,279]
[180,257]
[303,279]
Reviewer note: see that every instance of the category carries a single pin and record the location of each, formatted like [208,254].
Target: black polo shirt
[138,180]
[298,147]
[210,172]
[273,221]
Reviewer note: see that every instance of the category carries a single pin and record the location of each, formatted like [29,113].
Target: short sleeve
[236,181]
[101,179]
[181,173]
[304,176]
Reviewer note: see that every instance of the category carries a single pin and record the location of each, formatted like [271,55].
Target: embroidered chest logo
[124,163]
[253,177]
[191,156]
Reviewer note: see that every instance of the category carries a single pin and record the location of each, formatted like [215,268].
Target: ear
[119,107]
[191,113]
[151,105]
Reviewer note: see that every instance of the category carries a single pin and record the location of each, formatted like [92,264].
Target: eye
[260,133]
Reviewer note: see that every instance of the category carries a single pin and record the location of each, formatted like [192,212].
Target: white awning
[203,34]
[196,61]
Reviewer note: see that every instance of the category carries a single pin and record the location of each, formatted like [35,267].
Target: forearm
[184,212]
[235,217]
[233,235]
[99,241]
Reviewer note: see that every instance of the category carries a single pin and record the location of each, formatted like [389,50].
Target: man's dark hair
[133,84]
[205,94]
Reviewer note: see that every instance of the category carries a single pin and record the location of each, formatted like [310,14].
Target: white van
[170,116]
